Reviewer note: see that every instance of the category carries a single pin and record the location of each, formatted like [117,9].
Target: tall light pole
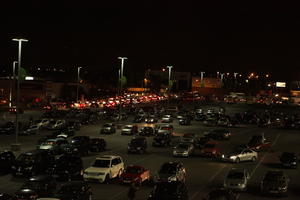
[201,78]
[17,146]
[12,84]
[78,72]
[121,84]
[169,87]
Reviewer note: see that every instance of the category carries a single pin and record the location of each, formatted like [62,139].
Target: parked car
[67,167]
[169,190]
[259,143]
[219,134]
[135,174]
[97,144]
[108,128]
[129,130]
[7,159]
[32,163]
[36,187]
[151,119]
[184,121]
[41,123]
[56,124]
[29,130]
[74,190]
[171,172]
[211,149]
[237,179]
[65,132]
[183,149]
[239,155]
[80,144]
[137,145]
[161,140]
[55,145]
[75,125]
[146,131]
[165,129]
[8,128]
[275,183]
[222,193]
[13,110]
[167,119]
[289,160]
[104,168]
[200,117]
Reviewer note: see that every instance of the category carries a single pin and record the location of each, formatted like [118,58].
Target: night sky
[189,35]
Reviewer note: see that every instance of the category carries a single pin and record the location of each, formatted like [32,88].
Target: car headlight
[232,157]
[223,156]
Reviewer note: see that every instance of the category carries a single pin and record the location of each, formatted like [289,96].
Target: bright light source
[281,84]
[247,80]
[29,78]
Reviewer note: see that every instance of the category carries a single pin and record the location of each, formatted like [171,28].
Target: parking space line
[261,160]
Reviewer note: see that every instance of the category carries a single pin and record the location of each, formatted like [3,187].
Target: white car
[167,119]
[165,129]
[241,155]
[42,123]
[56,124]
[237,179]
[183,149]
[104,168]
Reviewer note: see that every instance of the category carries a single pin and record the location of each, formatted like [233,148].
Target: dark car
[289,160]
[138,119]
[76,125]
[200,117]
[7,159]
[36,187]
[67,167]
[108,128]
[137,145]
[7,128]
[146,131]
[161,140]
[32,163]
[275,183]
[171,172]
[81,144]
[4,196]
[97,144]
[151,119]
[184,121]
[170,191]
[74,190]
[219,134]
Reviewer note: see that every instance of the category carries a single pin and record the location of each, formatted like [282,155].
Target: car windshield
[235,175]
[183,146]
[101,163]
[168,169]
[132,170]
[25,158]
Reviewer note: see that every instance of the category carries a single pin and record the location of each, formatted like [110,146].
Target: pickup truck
[259,143]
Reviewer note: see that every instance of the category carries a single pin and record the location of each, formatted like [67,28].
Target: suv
[137,145]
[171,171]
[237,179]
[275,183]
[32,163]
[67,167]
[169,190]
[108,128]
[105,168]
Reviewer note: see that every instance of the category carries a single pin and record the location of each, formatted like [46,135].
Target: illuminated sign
[281,84]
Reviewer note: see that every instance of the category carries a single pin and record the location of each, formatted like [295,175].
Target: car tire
[237,160]
[253,159]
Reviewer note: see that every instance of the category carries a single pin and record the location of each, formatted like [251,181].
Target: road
[203,174]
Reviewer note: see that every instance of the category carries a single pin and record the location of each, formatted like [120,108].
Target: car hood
[96,169]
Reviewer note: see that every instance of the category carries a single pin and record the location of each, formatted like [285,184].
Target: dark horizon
[192,37]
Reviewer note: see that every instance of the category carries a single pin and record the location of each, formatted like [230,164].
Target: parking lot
[203,174]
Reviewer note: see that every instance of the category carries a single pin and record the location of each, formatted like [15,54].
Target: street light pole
[78,72]
[12,84]
[121,84]
[169,87]
[17,146]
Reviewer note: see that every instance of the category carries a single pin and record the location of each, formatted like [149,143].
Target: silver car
[237,179]
[183,149]
[241,155]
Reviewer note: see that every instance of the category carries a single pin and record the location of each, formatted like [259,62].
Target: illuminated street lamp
[19,40]
[77,92]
